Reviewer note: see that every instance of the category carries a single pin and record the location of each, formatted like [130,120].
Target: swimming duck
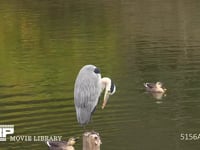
[62,145]
[155,87]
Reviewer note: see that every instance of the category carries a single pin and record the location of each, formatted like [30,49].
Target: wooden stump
[91,141]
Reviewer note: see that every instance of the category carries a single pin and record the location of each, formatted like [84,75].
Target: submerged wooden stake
[91,141]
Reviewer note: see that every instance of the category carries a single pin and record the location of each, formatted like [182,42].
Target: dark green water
[43,44]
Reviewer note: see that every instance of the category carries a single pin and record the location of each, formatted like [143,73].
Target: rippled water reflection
[44,44]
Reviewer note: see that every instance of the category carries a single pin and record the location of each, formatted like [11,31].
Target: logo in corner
[5,130]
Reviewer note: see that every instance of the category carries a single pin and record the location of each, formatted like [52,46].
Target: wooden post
[91,141]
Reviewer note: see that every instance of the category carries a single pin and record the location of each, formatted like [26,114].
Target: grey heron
[87,90]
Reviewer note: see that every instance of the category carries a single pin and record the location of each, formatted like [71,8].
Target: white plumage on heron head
[87,90]
[109,87]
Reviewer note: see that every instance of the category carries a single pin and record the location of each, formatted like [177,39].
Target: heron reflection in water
[87,90]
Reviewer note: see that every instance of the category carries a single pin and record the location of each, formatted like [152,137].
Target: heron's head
[109,87]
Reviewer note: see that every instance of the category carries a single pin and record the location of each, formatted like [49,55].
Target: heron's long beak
[106,96]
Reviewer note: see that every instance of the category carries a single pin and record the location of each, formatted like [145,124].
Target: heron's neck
[106,83]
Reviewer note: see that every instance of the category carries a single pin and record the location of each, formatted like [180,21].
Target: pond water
[43,45]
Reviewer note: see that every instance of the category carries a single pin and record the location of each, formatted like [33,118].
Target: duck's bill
[76,138]
[106,96]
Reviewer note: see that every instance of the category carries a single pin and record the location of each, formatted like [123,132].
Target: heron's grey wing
[86,94]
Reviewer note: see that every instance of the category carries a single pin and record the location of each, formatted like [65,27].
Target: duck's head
[72,141]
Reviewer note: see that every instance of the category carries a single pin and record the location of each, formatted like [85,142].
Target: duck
[155,87]
[62,145]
